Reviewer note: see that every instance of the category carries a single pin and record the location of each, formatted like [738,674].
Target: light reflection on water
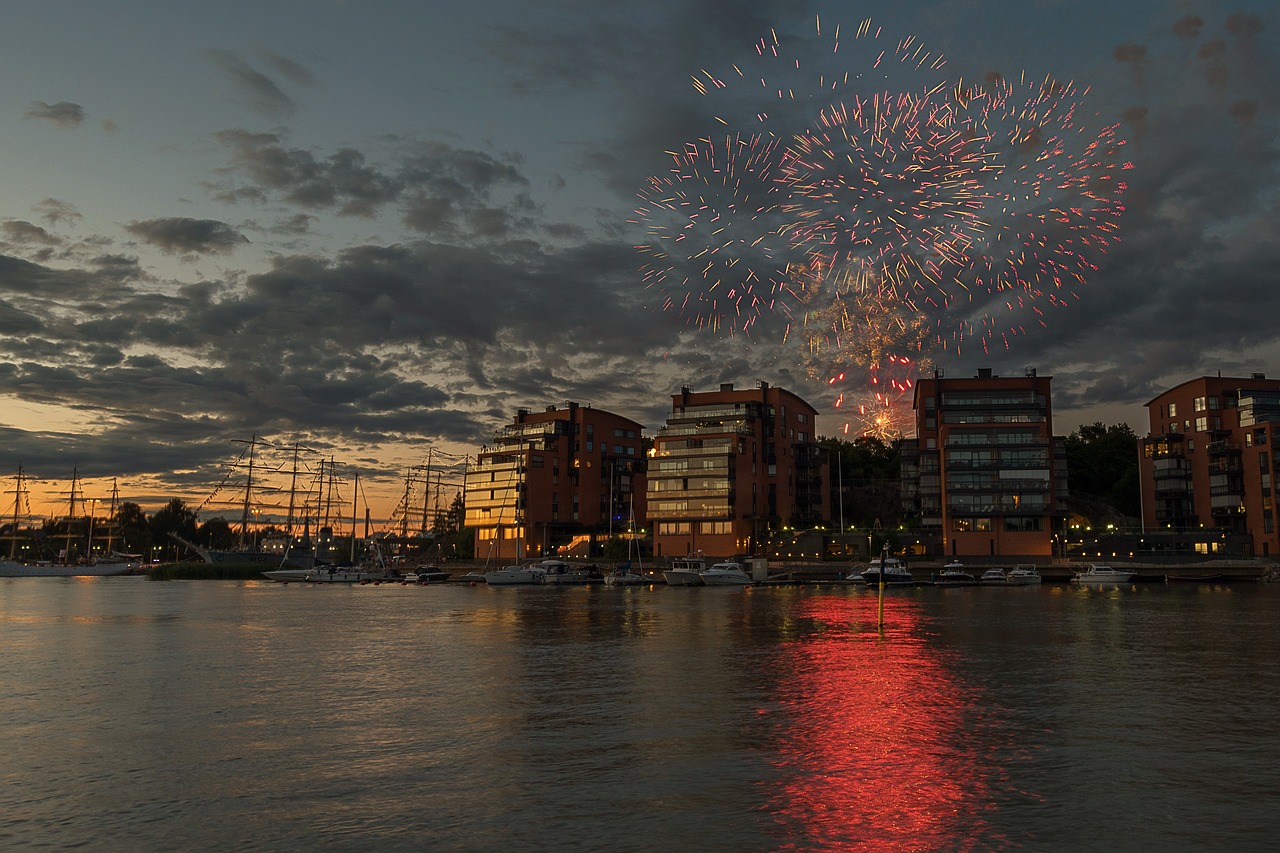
[182,715]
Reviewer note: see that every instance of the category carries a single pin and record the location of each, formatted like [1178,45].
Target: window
[1201,404]
[1202,424]
[1173,410]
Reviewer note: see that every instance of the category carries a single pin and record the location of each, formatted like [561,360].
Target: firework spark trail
[886,212]
[713,221]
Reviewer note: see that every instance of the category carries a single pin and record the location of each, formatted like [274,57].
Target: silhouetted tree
[868,471]
[173,517]
[1102,463]
[134,528]
[216,533]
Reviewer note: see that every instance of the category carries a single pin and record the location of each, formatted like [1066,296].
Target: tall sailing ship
[78,528]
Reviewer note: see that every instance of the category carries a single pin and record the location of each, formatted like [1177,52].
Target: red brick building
[1206,464]
[554,482]
[985,476]
[730,468]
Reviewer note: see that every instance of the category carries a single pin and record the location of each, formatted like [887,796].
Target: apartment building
[985,476]
[1206,464]
[554,482]
[731,468]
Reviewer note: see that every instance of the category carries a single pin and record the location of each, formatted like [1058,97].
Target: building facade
[985,476]
[731,468]
[1206,464]
[555,482]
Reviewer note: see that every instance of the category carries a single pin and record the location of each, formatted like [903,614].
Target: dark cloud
[293,71]
[22,232]
[259,92]
[181,235]
[56,212]
[1188,27]
[61,114]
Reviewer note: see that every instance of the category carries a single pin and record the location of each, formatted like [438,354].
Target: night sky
[379,228]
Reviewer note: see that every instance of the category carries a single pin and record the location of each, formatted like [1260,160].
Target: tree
[216,533]
[868,473]
[1102,463]
[173,517]
[135,529]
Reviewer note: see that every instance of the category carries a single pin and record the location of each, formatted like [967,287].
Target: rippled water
[252,716]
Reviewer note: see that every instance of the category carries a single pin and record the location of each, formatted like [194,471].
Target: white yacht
[560,572]
[994,577]
[894,572]
[1023,576]
[725,574]
[515,576]
[1099,575]
[685,571]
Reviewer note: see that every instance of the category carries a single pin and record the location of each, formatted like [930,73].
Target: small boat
[1023,576]
[337,574]
[1099,575]
[426,574]
[515,576]
[895,574]
[725,574]
[1193,579]
[623,575]
[560,572]
[953,574]
[685,571]
[287,575]
[994,577]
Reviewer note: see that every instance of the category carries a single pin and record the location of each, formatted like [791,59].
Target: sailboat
[630,573]
[299,558]
[67,566]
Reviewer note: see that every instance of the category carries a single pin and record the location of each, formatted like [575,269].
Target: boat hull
[101,570]
[513,577]
[682,577]
[725,580]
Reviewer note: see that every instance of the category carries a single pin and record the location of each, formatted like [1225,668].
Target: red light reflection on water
[873,738]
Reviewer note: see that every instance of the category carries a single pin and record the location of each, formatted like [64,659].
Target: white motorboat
[1099,575]
[1023,576]
[953,574]
[560,572]
[623,575]
[994,577]
[725,574]
[894,572]
[288,575]
[338,575]
[426,574]
[685,571]
[515,576]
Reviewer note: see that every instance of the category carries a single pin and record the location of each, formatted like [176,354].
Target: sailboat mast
[426,492]
[248,491]
[355,500]
[293,492]
[18,491]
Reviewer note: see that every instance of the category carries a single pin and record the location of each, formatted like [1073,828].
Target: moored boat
[1099,575]
[725,574]
[953,574]
[515,576]
[895,574]
[426,574]
[11,569]
[560,572]
[994,577]
[685,571]
[1023,576]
